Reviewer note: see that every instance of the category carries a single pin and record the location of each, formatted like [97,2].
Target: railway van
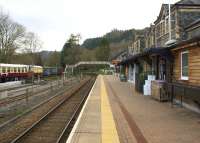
[52,71]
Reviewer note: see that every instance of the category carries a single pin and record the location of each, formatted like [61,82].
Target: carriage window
[184,65]
[8,69]
[3,69]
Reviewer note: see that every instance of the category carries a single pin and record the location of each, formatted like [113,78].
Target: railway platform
[114,112]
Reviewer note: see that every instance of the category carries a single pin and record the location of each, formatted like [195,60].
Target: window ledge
[184,78]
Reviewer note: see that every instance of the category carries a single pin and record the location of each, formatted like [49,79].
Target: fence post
[62,82]
[172,96]
[51,86]
[182,96]
[32,87]
[58,84]
[27,96]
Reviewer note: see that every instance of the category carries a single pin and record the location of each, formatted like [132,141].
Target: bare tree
[32,43]
[32,46]
[11,37]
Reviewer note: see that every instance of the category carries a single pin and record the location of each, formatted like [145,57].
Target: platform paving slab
[88,130]
[135,116]
[158,121]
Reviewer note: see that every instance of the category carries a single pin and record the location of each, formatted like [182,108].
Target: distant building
[137,45]
[183,13]
[150,37]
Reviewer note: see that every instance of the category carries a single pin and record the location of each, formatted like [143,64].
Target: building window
[166,25]
[184,65]
[162,28]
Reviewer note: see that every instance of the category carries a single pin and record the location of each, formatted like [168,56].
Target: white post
[65,72]
[38,78]
[170,34]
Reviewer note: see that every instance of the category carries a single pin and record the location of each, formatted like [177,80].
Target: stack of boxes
[147,85]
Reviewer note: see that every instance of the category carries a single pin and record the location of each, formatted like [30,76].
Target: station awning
[161,51]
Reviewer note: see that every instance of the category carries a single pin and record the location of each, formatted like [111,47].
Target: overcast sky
[54,20]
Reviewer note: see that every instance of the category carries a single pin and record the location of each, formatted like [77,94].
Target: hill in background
[118,42]
[118,39]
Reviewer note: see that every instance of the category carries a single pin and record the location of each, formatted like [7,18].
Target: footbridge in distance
[72,67]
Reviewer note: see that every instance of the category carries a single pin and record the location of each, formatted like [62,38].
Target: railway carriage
[36,70]
[13,72]
[10,72]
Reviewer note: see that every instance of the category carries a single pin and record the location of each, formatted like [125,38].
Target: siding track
[55,125]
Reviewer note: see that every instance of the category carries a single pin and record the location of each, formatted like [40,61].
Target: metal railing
[180,91]
[33,90]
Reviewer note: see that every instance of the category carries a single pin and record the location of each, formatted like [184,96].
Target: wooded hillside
[114,37]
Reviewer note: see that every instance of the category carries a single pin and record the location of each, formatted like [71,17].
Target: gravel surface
[11,110]
[14,129]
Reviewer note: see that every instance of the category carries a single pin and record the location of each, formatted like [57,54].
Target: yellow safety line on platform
[109,132]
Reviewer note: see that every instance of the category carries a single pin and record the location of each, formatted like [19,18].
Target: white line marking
[80,115]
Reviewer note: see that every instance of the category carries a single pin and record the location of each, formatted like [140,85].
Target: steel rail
[28,130]
[33,108]
[12,99]
[63,136]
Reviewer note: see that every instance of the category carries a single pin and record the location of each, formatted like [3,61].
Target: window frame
[184,77]
[3,69]
[166,24]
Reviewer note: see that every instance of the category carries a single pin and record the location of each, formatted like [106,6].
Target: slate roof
[164,51]
[189,2]
[196,22]
[118,54]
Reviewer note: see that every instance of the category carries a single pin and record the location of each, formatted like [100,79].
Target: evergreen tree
[70,53]
[103,52]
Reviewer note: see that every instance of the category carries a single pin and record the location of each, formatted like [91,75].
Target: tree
[54,59]
[11,37]
[103,52]
[70,53]
[87,55]
[32,45]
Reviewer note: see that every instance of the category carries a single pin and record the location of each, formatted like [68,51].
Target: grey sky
[54,20]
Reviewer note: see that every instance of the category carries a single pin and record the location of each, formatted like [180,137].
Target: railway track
[54,125]
[13,88]
[44,98]
[23,96]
